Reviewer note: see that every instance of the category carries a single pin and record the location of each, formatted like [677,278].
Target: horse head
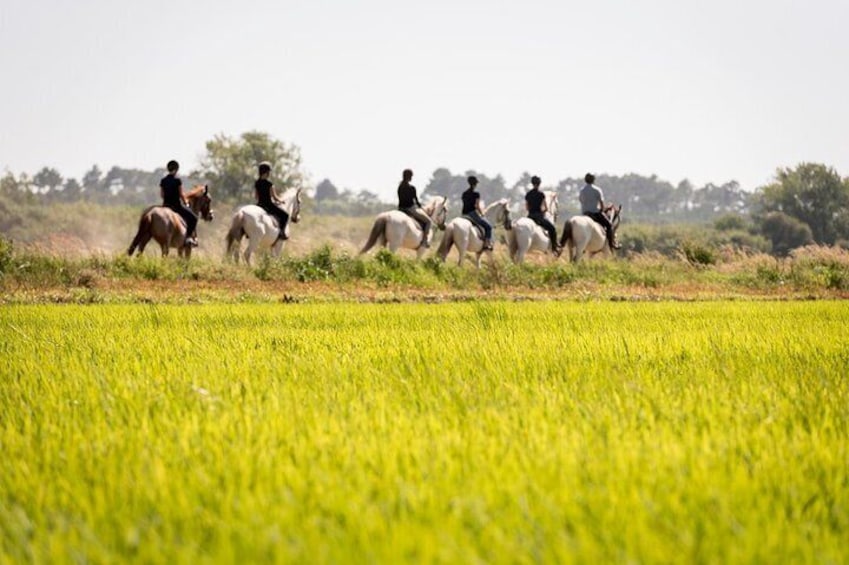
[296,207]
[437,210]
[498,210]
[552,204]
[614,214]
[291,201]
[201,202]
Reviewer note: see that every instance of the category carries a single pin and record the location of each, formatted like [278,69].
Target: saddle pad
[474,225]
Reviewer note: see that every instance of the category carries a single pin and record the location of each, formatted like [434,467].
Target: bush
[785,232]
[698,254]
[730,222]
[6,253]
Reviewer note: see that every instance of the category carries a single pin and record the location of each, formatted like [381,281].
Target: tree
[72,190]
[230,164]
[326,190]
[443,183]
[785,232]
[91,181]
[47,179]
[813,194]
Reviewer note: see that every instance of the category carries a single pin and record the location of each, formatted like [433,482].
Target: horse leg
[520,256]
[277,248]
[579,250]
[252,245]
[143,243]
[462,247]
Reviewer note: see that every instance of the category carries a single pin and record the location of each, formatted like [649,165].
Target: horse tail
[144,227]
[377,234]
[235,233]
[567,233]
[446,243]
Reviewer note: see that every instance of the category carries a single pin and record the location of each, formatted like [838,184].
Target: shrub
[698,254]
[6,254]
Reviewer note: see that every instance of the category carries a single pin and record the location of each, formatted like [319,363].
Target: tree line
[805,204]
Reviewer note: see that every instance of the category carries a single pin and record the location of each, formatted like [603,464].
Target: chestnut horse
[167,227]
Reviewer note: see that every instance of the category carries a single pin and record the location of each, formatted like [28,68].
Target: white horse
[582,233]
[261,228]
[527,235]
[395,229]
[465,235]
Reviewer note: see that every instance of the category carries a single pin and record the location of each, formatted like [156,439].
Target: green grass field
[460,433]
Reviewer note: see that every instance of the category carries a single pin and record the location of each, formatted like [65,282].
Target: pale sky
[709,90]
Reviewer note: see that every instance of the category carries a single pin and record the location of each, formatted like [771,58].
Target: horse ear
[205,189]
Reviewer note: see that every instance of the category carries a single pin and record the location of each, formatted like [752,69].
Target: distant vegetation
[804,205]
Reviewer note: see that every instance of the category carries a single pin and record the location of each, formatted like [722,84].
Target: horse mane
[431,205]
[494,204]
[195,191]
[292,190]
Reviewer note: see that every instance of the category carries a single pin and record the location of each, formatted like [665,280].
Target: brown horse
[167,227]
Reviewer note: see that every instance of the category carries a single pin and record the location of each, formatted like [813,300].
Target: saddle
[475,225]
[596,217]
[412,217]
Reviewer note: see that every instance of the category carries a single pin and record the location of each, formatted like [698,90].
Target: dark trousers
[188,217]
[543,222]
[605,223]
[486,226]
[279,213]
[418,215]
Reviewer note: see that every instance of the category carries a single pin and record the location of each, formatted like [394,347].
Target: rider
[473,210]
[537,207]
[408,202]
[171,191]
[266,196]
[592,205]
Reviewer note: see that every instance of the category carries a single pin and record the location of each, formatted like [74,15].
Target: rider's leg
[552,233]
[608,230]
[487,232]
[424,221]
[191,224]
[282,219]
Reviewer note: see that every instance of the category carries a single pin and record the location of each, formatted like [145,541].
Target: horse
[461,232]
[394,229]
[527,235]
[167,227]
[582,233]
[261,228]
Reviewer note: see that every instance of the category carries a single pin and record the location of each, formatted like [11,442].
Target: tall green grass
[813,269]
[478,432]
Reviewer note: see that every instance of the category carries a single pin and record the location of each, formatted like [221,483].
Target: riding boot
[190,241]
[425,243]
